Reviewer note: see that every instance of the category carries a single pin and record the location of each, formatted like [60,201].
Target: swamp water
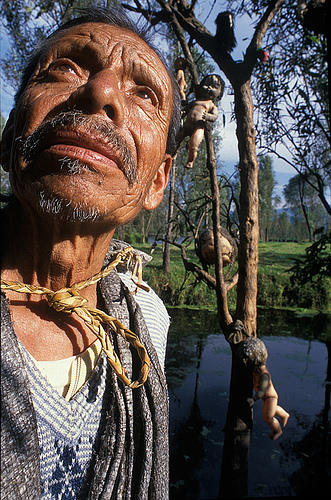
[198,372]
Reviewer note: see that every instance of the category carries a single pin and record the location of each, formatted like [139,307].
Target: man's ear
[155,193]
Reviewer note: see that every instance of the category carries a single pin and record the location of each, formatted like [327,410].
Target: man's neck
[48,252]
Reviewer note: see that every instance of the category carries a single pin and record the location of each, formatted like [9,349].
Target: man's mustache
[32,145]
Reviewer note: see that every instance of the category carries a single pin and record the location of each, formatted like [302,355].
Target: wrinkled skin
[77,72]
[114,79]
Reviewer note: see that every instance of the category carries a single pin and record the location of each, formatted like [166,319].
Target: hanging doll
[180,65]
[201,110]
[253,353]
[205,248]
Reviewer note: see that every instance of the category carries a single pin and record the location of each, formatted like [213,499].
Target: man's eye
[62,66]
[143,94]
[147,94]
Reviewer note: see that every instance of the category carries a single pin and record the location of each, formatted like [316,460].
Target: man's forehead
[101,37]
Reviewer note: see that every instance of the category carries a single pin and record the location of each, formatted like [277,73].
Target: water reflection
[198,373]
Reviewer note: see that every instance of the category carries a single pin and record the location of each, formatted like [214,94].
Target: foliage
[291,92]
[315,264]
[281,229]
[304,202]
[133,238]
[312,295]
[274,284]
[270,289]
[266,200]
[4,186]
[4,177]
[279,94]
[178,288]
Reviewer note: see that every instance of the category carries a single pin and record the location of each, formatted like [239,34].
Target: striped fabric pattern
[155,314]
[59,453]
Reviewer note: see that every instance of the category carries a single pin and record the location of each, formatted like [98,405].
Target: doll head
[252,352]
[210,87]
[180,63]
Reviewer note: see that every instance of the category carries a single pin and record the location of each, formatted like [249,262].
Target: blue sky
[228,153]
[6,99]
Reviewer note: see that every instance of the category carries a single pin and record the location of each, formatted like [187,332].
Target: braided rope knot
[70,301]
[66,300]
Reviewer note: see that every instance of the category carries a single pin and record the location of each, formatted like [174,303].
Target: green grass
[276,255]
[279,255]
[274,287]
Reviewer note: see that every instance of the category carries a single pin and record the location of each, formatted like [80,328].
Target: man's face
[94,121]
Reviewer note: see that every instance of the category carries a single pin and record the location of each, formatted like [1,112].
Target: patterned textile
[131,459]
[68,375]
[67,432]
[155,314]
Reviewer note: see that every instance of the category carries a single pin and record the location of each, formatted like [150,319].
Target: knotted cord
[69,300]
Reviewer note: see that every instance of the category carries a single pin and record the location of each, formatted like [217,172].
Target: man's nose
[100,95]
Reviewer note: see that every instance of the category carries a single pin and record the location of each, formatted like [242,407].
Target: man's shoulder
[154,312]
[119,245]
[152,307]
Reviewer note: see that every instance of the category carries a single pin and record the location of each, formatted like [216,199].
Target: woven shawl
[132,462]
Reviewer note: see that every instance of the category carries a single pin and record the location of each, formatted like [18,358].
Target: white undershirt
[68,375]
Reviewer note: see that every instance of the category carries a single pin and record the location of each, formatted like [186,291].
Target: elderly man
[88,145]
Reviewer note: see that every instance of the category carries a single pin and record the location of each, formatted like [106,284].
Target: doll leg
[282,414]
[194,144]
[276,429]
[270,409]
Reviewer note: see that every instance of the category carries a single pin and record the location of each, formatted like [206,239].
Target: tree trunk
[239,418]
[303,207]
[234,472]
[168,236]
[221,292]
[148,224]
[143,233]
[248,255]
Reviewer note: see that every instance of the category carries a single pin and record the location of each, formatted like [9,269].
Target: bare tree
[179,14]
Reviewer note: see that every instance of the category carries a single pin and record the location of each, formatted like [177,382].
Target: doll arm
[212,116]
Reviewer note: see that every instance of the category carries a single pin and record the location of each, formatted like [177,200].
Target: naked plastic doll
[180,65]
[205,248]
[201,110]
[265,390]
[253,353]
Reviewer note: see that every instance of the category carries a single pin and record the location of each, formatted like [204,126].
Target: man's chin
[69,211]
[57,206]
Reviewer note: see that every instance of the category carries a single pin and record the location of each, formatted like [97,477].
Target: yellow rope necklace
[69,300]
